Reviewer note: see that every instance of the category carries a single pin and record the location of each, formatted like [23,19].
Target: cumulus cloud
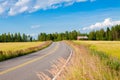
[35,26]
[108,22]
[14,7]
[3,7]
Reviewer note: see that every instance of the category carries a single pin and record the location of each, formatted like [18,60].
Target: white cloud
[81,0]
[35,26]
[14,7]
[3,7]
[19,7]
[106,23]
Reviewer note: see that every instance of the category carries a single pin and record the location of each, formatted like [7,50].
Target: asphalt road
[27,67]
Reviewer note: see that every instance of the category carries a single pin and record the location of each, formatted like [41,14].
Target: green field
[109,47]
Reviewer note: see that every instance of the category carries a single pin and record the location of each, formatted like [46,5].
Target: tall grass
[84,66]
[107,51]
[111,62]
[8,53]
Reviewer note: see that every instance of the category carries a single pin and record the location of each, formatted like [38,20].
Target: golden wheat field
[11,50]
[109,47]
[17,46]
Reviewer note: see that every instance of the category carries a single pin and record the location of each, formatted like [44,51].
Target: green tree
[92,35]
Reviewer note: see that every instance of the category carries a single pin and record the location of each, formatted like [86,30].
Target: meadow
[18,46]
[111,48]
[15,49]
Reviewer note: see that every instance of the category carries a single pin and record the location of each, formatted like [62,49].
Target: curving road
[27,67]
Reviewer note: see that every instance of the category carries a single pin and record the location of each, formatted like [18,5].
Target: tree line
[72,35]
[16,37]
[112,33]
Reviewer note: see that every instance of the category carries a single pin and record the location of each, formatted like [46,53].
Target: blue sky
[35,16]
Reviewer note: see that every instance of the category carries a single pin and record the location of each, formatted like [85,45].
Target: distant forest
[112,33]
[17,37]
[60,36]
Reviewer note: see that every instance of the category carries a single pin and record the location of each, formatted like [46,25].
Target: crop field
[109,47]
[15,49]
[17,46]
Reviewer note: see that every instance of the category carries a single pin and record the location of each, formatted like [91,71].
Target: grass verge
[4,55]
[107,51]
[111,62]
[83,66]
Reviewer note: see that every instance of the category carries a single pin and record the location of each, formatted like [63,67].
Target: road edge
[59,72]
